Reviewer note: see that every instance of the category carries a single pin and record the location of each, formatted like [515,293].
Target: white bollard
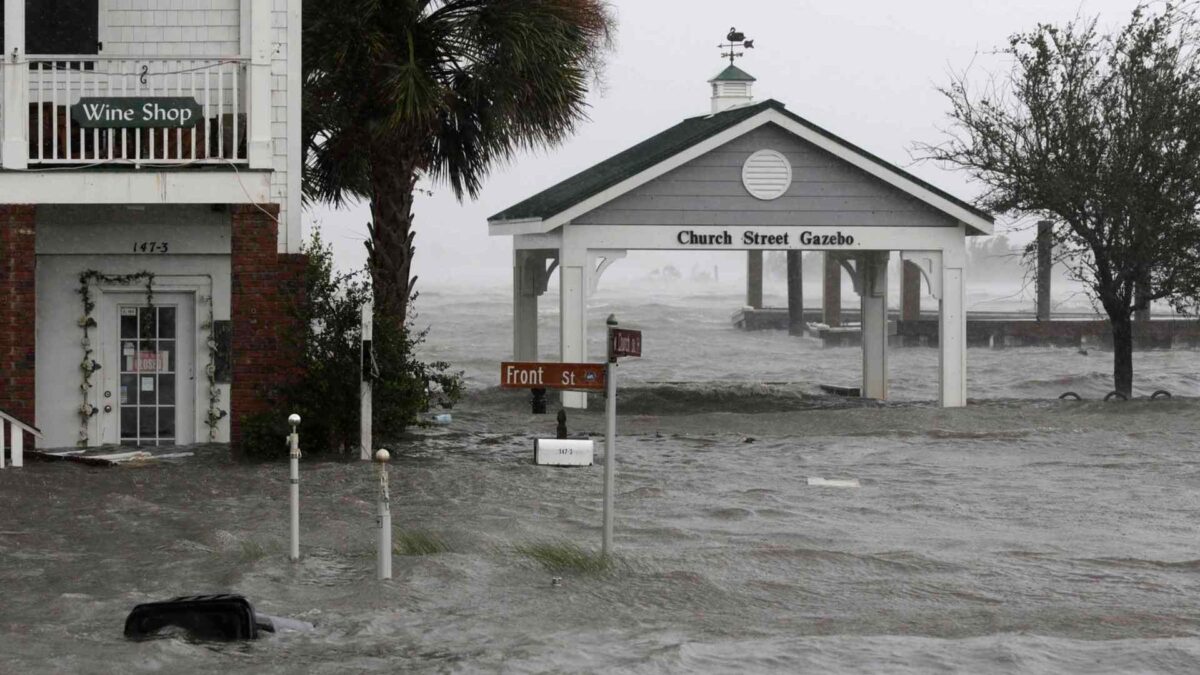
[294,445]
[384,558]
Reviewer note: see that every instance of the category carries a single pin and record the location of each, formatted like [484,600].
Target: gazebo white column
[525,305]
[572,307]
[873,277]
[943,270]
[952,336]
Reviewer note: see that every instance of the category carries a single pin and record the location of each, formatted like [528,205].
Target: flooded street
[1016,535]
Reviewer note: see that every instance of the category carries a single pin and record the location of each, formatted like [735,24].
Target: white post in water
[368,364]
[385,516]
[610,435]
[294,445]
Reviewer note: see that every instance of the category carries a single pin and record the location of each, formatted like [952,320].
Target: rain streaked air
[582,336]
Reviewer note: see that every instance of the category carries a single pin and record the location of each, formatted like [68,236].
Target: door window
[149,366]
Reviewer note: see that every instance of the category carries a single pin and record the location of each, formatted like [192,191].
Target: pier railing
[14,430]
[56,82]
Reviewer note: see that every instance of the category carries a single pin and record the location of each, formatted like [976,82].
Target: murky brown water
[1006,537]
[1016,535]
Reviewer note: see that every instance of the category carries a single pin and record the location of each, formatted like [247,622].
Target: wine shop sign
[119,112]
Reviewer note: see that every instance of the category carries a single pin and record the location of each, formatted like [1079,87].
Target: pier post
[873,275]
[831,291]
[795,293]
[910,291]
[1044,252]
[754,279]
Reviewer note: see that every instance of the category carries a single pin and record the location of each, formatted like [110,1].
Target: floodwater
[1020,534]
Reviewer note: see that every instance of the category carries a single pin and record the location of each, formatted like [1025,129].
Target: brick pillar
[18,307]
[266,286]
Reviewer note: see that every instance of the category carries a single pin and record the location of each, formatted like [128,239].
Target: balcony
[56,137]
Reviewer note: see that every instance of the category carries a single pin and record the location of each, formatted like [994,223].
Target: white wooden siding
[210,28]
[171,27]
[708,190]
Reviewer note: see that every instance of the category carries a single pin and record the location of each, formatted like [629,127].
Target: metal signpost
[621,342]
[585,377]
[368,373]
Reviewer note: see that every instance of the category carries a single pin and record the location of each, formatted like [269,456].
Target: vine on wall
[89,365]
[215,414]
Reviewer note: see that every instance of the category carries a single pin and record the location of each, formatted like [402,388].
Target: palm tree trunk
[390,248]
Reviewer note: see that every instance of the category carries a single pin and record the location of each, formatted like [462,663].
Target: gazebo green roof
[733,74]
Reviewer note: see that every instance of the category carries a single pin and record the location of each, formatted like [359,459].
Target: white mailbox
[563,452]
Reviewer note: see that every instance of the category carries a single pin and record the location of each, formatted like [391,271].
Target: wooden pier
[997,330]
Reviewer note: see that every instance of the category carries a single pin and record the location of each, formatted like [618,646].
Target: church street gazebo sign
[112,112]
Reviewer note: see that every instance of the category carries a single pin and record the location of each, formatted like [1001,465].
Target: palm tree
[398,90]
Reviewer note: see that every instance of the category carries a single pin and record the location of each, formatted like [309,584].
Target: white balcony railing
[58,82]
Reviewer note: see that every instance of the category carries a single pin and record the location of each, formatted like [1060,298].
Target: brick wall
[18,301]
[265,287]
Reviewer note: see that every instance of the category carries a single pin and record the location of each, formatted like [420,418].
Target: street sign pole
[610,435]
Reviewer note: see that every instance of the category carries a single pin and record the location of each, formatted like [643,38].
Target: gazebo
[746,176]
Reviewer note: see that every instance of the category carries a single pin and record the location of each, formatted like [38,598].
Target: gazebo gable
[685,146]
[713,189]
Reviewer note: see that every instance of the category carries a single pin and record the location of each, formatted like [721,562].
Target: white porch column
[16,87]
[258,86]
[525,308]
[873,273]
[573,278]
[952,339]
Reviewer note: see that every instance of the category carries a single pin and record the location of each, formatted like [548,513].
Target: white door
[150,386]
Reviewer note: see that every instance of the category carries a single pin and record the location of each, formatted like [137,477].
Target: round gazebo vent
[767,174]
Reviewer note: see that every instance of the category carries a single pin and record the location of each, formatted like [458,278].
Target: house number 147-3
[150,247]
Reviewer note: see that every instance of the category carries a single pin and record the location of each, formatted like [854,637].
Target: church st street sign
[113,112]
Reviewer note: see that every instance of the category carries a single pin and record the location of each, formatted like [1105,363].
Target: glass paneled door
[155,372]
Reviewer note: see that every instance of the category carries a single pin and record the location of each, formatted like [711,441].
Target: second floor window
[60,27]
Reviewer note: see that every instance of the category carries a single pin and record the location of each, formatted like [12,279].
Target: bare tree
[1100,133]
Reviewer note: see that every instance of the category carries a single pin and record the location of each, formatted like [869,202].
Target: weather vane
[736,40]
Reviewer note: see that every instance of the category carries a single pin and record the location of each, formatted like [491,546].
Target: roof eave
[513,226]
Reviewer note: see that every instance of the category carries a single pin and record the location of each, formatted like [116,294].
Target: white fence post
[16,444]
[2,425]
[368,362]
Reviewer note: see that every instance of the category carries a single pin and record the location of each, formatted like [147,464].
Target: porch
[228,83]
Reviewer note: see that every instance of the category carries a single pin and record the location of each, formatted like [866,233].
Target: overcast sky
[866,70]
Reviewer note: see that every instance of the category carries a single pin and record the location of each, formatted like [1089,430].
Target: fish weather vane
[735,40]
